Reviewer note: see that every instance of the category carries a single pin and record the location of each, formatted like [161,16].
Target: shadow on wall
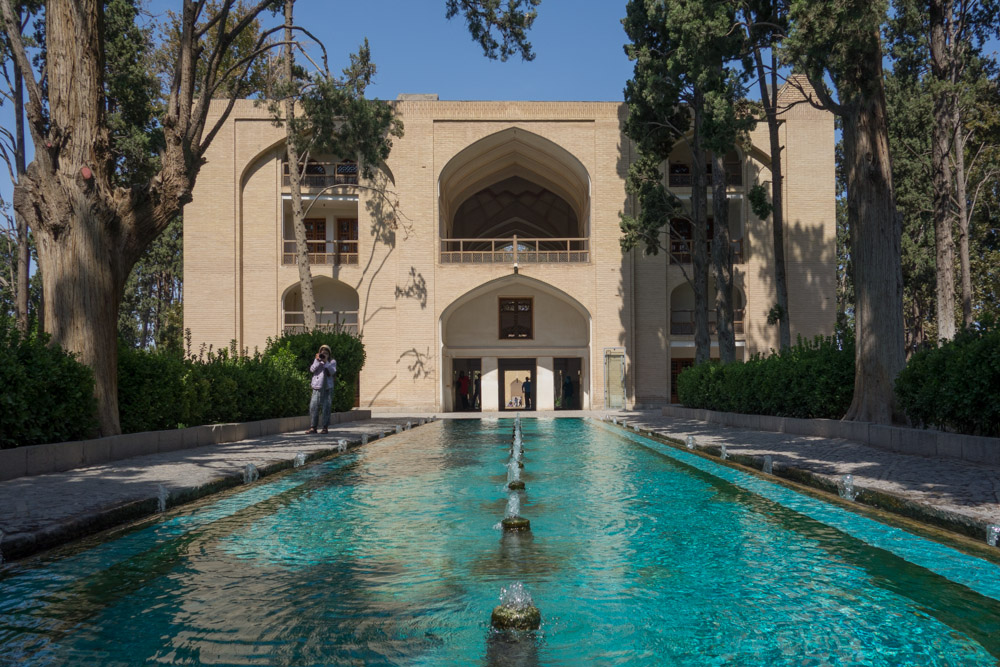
[416,288]
[811,276]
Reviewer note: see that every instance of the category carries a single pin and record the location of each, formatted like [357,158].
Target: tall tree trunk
[722,262]
[699,233]
[295,171]
[770,101]
[875,249]
[961,195]
[23,250]
[942,136]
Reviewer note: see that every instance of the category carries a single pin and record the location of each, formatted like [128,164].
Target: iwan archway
[510,329]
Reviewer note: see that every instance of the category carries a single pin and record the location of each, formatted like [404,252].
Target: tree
[90,229]
[766,23]
[150,313]
[839,39]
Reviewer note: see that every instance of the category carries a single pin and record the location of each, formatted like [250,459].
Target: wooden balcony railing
[323,252]
[514,249]
[734,177]
[682,322]
[342,320]
[325,174]
[680,251]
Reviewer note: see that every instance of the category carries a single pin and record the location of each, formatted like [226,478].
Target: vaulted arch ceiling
[520,167]
[518,206]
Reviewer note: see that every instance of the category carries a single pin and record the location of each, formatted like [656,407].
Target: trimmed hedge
[812,379]
[955,386]
[159,390]
[48,396]
[347,349]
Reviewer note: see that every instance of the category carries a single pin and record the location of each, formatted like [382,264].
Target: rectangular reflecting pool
[391,554]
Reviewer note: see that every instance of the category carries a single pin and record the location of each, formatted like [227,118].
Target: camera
[322,357]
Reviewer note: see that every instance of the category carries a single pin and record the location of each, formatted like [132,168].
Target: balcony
[335,321]
[680,251]
[682,322]
[734,178]
[515,249]
[323,252]
[321,175]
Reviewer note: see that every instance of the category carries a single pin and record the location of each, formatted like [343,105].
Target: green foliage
[809,380]
[487,20]
[347,349]
[150,311]
[955,386]
[48,395]
[162,389]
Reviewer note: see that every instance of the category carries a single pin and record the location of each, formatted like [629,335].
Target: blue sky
[578,46]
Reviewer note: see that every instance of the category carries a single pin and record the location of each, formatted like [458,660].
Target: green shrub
[347,349]
[812,379]
[48,396]
[160,390]
[955,386]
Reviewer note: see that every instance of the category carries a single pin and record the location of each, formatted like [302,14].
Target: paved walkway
[969,490]
[45,510]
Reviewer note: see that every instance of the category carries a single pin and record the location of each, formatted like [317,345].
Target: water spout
[516,610]
[364,439]
[845,487]
[724,454]
[341,445]
[992,535]
[409,425]
[513,506]
[300,460]
[162,495]
[513,471]
[690,442]
[399,428]
[768,467]
[635,427]
[250,473]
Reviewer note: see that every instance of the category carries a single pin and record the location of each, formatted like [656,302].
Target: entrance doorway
[614,378]
[676,366]
[568,376]
[466,379]
[513,373]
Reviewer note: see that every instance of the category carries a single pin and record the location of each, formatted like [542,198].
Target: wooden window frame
[531,312]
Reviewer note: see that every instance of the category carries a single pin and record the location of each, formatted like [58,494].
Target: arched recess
[336,305]
[682,309]
[521,180]
[471,331]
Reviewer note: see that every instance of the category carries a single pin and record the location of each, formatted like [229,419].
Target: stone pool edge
[962,526]
[18,546]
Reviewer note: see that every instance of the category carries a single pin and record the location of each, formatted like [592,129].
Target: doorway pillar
[489,398]
[544,391]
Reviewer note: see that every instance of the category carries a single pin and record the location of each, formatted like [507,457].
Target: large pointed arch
[513,153]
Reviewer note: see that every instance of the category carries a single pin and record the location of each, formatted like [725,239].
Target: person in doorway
[476,386]
[324,371]
[567,392]
[463,390]
[526,390]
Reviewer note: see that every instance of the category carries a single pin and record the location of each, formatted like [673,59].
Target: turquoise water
[639,554]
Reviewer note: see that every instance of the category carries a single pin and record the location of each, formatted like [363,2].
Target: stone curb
[16,546]
[881,500]
[62,456]
[913,441]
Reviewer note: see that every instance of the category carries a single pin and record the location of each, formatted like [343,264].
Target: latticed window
[347,172]
[515,319]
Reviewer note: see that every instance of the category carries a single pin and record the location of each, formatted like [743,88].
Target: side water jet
[364,439]
[300,460]
[845,487]
[992,535]
[341,445]
[690,442]
[768,467]
[723,454]
[250,473]
[162,495]
[516,610]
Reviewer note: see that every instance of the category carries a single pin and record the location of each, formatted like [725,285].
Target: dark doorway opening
[567,381]
[513,373]
[676,366]
[466,379]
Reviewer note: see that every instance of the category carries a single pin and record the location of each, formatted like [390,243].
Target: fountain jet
[516,610]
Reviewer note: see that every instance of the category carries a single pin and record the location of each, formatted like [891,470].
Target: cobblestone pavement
[49,509]
[969,489]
